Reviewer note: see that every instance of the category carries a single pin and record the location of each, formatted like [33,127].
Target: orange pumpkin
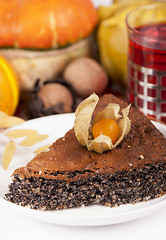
[45,23]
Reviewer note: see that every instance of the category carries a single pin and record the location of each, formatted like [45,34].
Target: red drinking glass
[146,73]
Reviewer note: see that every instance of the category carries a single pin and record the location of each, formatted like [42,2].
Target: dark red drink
[151,52]
[147,69]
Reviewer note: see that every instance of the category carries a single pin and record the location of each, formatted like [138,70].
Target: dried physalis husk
[83,124]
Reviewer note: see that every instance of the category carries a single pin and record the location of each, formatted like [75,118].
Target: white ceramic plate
[56,126]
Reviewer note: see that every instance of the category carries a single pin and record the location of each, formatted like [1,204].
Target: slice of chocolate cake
[68,175]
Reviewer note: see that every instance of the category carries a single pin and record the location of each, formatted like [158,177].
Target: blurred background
[50,62]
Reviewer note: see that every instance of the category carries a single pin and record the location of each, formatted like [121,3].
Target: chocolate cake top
[143,145]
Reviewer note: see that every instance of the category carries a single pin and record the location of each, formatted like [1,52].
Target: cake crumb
[130,164]
[63,139]
[128,146]
[141,157]
[27,206]
[107,204]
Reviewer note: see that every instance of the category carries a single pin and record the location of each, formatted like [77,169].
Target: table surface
[16,226]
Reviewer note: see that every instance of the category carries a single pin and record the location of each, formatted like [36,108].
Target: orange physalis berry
[107,127]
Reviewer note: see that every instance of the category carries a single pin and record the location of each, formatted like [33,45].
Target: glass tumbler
[146,75]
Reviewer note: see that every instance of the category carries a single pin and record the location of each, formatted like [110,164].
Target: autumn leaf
[21,133]
[9,121]
[33,139]
[8,153]
[42,149]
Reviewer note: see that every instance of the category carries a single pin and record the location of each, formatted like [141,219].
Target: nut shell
[86,76]
[55,93]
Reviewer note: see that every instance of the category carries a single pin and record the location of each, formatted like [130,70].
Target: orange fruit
[107,127]
[9,89]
